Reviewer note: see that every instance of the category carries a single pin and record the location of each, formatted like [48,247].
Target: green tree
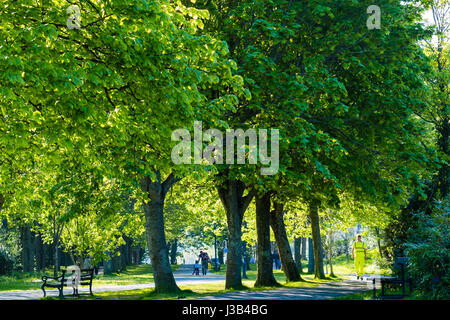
[428,249]
[437,111]
[118,86]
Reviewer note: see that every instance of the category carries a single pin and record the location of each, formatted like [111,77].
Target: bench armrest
[45,278]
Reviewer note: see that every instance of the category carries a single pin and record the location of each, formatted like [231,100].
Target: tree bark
[247,258]
[28,249]
[265,277]
[443,144]
[303,253]
[231,193]
[154,226]
[284,249]
[123,256]
[2,200]
[330,252]
[377,233]
[220,255]
[56,257]
[39,245]
[297,254]
[310,256]
[173,251]
[317,243]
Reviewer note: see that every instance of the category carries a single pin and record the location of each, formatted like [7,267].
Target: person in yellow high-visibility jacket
[359,254]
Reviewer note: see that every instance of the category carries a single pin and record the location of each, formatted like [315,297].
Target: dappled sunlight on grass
[192,291]
[143,274]
[138,274]
[345,264]
[22,281]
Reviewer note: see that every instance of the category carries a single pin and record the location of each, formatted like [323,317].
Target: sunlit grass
[21,281]
[192,291]
[138,274]
[368,295]
[345,264]
[143,274]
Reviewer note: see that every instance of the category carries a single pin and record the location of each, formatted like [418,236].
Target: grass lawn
[21,281]
[198,290]
[141,274]
[344,264]
[368,295]
[32,281]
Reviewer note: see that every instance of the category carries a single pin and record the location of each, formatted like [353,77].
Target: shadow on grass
[200,290]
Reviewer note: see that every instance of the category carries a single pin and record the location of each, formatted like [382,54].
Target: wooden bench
[86,277]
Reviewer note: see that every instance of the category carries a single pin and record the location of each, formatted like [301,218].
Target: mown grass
[138,274]
[21,281]
[32,281]
[368,295]
[142,274]
[345,264]
[192,291]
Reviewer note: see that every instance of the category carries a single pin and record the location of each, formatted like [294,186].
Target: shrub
[429,252]
[382,263]
[6,262]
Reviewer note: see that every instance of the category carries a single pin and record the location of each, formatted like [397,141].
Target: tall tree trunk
[220,255]
[56,258]
[265,277]
[284,249]
[231,193]
[330,252]
[123,255]
[28,251]
[134,255]
[80,261]
[130,251]
[303,253]
[154,226]
[297,254]
[317,242]
[247,256]
[310,256]
[377,234]
[2,200]
[48,255]
[173,251]
[39,245]
[141,254]
[443,144]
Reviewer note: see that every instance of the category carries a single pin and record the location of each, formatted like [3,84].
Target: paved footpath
[184,276]
[321,292]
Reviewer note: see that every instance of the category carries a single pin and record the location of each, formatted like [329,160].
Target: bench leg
[43,289]
[374,289]
[403,288]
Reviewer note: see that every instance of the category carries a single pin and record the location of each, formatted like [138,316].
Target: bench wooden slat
[60,282]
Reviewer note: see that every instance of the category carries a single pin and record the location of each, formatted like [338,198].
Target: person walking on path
[204,259]
[196,268]
[359,254]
